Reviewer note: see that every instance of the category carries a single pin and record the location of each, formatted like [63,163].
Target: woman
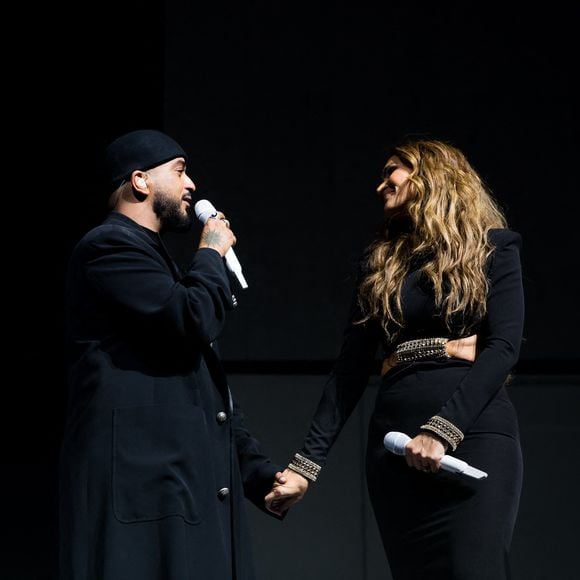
[444,272]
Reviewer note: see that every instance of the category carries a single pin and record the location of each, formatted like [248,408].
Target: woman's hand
[288,489]
[462,348]
[424,452]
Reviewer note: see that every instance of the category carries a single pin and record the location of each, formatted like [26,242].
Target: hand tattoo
[213,239]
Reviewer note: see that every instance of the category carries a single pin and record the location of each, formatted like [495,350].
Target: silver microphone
[204,210]
[395,442]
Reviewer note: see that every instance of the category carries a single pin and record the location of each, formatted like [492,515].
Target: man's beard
[170,214]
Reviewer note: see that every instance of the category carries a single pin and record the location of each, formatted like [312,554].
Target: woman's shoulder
[507,246]
[502,237]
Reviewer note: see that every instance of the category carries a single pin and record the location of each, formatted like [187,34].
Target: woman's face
[394,189]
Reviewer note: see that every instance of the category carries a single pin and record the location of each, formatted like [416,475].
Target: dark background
[287,111]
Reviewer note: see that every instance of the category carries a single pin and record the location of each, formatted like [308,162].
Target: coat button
[221,417]
[223,493]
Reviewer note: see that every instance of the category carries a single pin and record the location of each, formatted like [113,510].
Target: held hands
[289,488]
[216,234]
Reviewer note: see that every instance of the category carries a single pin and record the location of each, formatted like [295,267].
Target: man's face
[171,188]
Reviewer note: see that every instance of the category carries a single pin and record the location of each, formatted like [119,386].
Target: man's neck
[141,214]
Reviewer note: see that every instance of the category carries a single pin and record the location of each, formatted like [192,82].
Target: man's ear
[139,181]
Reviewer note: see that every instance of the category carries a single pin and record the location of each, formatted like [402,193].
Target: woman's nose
[381,186]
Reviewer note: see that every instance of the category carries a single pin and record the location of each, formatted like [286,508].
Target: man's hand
[216,234]
[289,488]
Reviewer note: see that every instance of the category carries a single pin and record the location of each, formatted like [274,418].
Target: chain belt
[421,349]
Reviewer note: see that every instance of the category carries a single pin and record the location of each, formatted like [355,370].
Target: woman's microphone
[395,442]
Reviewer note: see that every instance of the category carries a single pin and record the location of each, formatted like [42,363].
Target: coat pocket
[160,463]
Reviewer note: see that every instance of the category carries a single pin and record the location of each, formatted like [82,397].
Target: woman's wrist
[445,430]
[305,467]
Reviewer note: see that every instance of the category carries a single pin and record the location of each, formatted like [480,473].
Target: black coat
[155,459]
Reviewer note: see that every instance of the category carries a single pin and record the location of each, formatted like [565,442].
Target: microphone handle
[235,267]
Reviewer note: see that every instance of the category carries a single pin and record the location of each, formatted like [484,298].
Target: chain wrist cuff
[305,467]
[445,429]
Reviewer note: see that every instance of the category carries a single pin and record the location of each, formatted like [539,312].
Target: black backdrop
[287,110]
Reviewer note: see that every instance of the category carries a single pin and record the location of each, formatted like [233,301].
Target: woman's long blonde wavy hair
[450,212]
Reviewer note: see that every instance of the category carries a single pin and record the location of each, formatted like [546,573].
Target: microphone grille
[395,442]
[204,209]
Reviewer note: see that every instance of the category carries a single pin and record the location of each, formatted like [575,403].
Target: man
[155,458]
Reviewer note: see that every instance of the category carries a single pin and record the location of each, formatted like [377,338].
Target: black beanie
[142,150]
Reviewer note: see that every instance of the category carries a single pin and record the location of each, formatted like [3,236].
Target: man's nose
[189,183]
